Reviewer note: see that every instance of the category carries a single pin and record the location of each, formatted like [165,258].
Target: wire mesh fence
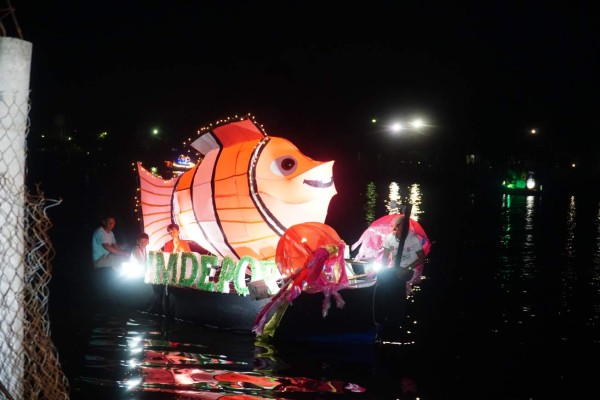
[29,364]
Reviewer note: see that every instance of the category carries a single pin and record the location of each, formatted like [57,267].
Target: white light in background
[397,127]
[415,197]
[393,205]
[417,123]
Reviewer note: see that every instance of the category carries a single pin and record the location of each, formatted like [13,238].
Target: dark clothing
[390,296]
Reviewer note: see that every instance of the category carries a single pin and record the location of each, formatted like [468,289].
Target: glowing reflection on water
[138,357]
[410,194]
[595,281]
[541,270]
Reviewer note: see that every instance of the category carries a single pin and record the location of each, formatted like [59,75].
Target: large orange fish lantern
[248,189]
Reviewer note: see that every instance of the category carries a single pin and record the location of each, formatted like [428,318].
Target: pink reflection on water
[195,378]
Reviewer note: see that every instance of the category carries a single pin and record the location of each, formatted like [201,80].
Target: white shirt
[138,255]
[409,253]
[98,239]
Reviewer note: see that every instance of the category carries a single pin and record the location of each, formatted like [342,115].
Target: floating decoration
[247,191]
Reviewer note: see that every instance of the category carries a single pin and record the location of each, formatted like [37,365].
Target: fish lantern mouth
[294,179]
[300,196]
[322,183]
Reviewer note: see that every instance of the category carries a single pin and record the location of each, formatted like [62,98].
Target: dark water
[509,310]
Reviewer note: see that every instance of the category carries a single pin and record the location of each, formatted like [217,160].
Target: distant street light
[158,135]
[417,123]
[397,127]
[414,125]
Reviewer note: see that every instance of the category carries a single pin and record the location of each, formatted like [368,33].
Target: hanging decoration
[312,256]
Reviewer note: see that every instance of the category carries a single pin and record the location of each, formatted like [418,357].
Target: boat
[520,182]
[229,295]
[256,205]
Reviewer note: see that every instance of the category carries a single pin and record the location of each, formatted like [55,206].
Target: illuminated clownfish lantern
[242,197]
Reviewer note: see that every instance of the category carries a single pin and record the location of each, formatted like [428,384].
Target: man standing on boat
[402,253]
[412,256]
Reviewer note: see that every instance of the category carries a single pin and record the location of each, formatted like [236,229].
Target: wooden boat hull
[302,321]
[354,323]
[219,310]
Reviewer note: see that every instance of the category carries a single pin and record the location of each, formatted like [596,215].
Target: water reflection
[394,198]
[596,257]
[148,354]
[570,228]
[517,238]
[409,194]
[542,270]
[595,277]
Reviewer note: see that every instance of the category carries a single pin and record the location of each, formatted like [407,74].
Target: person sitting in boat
[106,252]
[413,256]
[176,245]
[159,303]
[138,254]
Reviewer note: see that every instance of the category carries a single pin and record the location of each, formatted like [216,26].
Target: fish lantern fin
[227,135]
[156,196]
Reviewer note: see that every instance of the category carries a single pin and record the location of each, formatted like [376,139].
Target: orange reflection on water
[222,380]
[180,372]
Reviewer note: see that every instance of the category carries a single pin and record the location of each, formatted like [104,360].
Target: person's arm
[385,258]
[135,254]
[185,246]
[417,268]
[413,248]
[113,248]
[110,244]
[420,260]
[138,255]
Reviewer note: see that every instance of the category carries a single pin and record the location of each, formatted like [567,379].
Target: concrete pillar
[15,67]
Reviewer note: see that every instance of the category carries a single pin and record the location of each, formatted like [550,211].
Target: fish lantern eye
[284,166]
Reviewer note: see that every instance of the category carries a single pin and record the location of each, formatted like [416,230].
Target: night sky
[314,72]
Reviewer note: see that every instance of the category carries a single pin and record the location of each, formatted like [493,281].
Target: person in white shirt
[394,282]
[106,253]
[138,254]
[412,252]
